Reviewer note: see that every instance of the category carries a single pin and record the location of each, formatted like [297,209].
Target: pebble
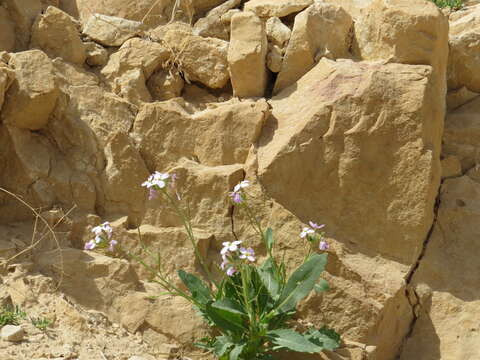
[12,333]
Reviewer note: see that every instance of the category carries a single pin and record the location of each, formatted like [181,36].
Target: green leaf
[199,291]
[301,282]
[292,340]
[325,337]
[227,315]
[269,239]
[322,286]
[268,277]
[237,350]
[221,345]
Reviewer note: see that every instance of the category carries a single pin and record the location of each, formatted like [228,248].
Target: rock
[12,333]
[201,6]
[131,86]
[33,95]
[333,146]
[136,54]
[445,283]
[7,31]
[223,133]
[204,60]
[451,167]
[111,30]
[413,32]
[322,30]
[462,134]
[464,40]
[96,54]
[6,78]
[355,8]
[277,32]
[456,98]
[278,8]
[247,55]
[165,85]
[56,33]
[214,24]
[274,58]
[124,172]
[22,13]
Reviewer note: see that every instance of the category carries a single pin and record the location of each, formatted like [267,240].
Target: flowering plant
[250,305]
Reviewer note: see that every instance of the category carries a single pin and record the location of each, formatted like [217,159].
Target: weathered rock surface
[214,24]
[462,134]
[111,30]
[23,13]
[323,133]
[56,33]
[445,286]
[322,30]
[223,134]
[278,8]
[96,54]
[12,333]
[33,94]
[277,32]
[247,55]
[6,78]
[464,40]
[165,85]
[7,31]
[408,32]
[274,58]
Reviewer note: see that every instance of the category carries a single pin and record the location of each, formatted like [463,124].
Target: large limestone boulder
[56,33]
[111,30]
[408,32]
[278,8]
[223,134]
[7,31]
[322,30]
[33,95]
[247,55]
[462,134]
[445,286]
[464,40]
[323,139]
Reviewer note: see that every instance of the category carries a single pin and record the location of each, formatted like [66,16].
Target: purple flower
[323,246]
[229,247]
[113,243]
[315,226]
[248,254]
[90,245]
[152,194]
[306,231]
[231,271]
[236,197]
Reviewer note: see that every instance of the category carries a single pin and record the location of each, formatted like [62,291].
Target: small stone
[280,8]
[111,30]
[12,333]
[96,54]
[277,32]
[274,58]
[164,85]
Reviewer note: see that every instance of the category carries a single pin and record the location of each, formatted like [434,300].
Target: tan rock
[278,8]
[462,134]
[247,55]
[447,325]
[23,13]
[7,31]
[451,167]
[136,54]
[464,38]
[354,7]
[131,86]
[277,32]
[12,333]
[165,85]
[223,133]
[201,6]
[111,30]
[6,78]
[56,33]
[413,32]
[274,58]
[459,97]
[338,144]
[96,54]
[123,174]
[33,95]
[322,30]
[214,24]
[204,60]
